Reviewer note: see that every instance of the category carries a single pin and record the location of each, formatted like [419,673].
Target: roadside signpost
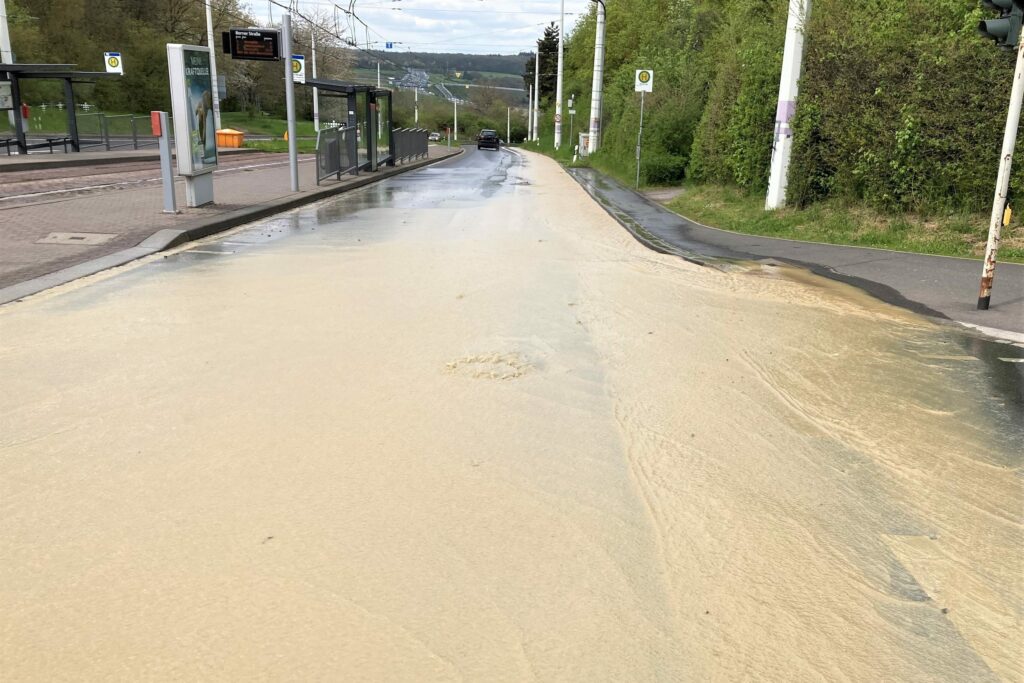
[195,135]
[264,45]
[644,84]
[158,121]
[113,62]
[299,68]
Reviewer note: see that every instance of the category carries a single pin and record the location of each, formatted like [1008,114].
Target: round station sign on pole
[112,60]
[644,80]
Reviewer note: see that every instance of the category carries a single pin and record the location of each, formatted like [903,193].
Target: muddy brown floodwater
[461,426]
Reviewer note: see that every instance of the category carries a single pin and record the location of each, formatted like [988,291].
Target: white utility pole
[5,36]
[508,125]
[6,57]
[558,84]
[416,106]
[213,63]
[999,205]
[456,102]
[536,97]
[529,115]
[598,84]
[289,99]
[316,93]
[792,61]
[378,74]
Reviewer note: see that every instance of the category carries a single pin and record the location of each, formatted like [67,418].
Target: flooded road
[461,425]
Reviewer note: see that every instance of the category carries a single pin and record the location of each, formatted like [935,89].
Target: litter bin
[229,137]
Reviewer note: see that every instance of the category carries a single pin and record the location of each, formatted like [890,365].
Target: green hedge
[901,104]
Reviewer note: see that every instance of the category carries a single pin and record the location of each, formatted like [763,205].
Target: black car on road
[488,139]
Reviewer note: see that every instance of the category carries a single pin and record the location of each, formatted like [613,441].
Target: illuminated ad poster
[195,132]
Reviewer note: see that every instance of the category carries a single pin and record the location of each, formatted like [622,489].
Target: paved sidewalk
[937,286]
[127,222]
[19,162]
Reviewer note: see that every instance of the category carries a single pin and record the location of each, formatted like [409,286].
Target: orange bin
[229,137]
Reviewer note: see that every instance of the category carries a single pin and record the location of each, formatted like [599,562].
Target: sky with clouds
[475,26]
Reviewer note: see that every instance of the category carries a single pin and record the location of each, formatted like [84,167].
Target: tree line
[79,32]
[901,103]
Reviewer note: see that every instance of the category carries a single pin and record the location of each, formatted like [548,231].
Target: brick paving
[128,203]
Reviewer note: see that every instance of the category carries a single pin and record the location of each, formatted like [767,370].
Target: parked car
[434,137]
[488,139]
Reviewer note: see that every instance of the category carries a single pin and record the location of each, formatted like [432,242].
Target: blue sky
[475,26]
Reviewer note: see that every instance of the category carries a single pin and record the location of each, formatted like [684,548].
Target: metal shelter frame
[15,73]
[374,95]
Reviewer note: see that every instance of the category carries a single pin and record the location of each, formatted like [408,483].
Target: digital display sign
[253,43]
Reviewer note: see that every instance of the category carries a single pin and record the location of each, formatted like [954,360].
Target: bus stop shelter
[16,73]
[368,112]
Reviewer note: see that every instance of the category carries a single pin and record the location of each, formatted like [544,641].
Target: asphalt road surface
[459,424]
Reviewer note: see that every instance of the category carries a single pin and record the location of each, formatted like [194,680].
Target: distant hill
[447,62]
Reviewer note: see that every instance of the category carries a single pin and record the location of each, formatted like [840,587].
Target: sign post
[195,135]
[644,84]
[289,99]
[113,62]
[158,121]
[299,68]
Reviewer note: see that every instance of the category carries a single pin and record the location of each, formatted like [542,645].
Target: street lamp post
[213,64]
[316,93]
[536,97]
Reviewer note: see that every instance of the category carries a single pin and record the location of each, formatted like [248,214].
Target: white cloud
[474,26]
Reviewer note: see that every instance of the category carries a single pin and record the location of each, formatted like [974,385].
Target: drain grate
[88,239]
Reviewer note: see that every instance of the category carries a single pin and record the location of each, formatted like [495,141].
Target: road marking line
[1013,360]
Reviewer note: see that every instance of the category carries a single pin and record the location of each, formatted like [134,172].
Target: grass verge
[263,125]
[837,222]
[305,145]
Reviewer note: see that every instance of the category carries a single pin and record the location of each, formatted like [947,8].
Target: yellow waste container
[229,137]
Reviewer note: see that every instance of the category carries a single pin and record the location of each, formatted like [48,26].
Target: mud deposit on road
[458,426]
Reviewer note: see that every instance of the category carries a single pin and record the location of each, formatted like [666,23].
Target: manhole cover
[86,238]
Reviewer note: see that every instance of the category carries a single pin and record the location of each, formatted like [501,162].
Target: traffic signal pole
[999,203]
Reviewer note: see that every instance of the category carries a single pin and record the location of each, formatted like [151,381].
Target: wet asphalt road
[232,356]
[935,286]
[479,175]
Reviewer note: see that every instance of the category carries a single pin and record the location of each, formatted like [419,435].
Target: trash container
[229,137]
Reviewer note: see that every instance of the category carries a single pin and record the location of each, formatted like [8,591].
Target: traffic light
[1006,29]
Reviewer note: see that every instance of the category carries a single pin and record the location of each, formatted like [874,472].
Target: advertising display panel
[195,133]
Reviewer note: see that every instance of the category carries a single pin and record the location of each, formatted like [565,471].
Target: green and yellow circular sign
[296,66]
[113,62]
[644,77]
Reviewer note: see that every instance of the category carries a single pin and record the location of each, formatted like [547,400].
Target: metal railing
[336,152]
[127,130]
[115,131]
[410,143]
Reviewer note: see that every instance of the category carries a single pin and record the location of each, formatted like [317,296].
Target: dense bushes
[901,104]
